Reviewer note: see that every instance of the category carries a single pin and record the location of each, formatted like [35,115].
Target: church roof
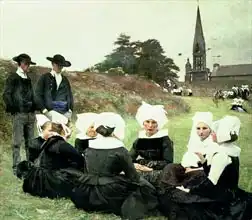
[233,70]
[199,40]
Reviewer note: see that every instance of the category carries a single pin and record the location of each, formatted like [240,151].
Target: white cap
[205,117]
[226,126]
[58,118]
[63,120]
[154,112]
[41,120]
[112,120]
[83,122]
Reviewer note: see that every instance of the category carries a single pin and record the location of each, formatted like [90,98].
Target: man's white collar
[21,73]
[54,73]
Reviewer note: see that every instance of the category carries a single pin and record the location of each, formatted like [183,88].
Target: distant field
[15,205]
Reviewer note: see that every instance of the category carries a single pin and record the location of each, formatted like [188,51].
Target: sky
[84,31]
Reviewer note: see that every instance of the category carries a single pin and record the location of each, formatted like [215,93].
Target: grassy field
[15,205]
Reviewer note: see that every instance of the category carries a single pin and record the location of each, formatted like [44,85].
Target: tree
[122,41]
[167,70]
[154,64]
[151,55]
[122,56]
[143,58]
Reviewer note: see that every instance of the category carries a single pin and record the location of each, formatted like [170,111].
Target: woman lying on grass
[57,167]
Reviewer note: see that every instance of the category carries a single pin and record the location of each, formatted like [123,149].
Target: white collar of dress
[159,134]
[208,141]
[228,148]
[105,143]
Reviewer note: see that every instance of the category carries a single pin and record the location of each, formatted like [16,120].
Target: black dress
[206,200]
[105,188]
[155,153]
[55,171]
[175,175]
[81,144]
[35,148]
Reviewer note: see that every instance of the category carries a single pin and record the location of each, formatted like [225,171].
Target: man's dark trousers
[23,127]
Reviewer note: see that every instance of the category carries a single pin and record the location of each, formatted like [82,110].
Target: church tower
[199,70]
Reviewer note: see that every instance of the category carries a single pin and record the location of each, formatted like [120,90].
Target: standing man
[19,100]
[53,90]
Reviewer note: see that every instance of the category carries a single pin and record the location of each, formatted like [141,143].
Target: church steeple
[198,72]
[199,46]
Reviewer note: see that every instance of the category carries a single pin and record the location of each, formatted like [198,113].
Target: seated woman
[57,167]
[111,183]
[153,149]
[217,196]
[200,141]
[85,130]
[237,105]
[43,126]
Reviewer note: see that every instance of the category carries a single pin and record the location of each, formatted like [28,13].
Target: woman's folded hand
[142,167]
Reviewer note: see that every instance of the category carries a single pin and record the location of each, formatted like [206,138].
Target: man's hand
[45,111]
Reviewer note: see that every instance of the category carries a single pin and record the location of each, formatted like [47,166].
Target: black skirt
[177,204]
[44,182]
[115,194]
[174,175]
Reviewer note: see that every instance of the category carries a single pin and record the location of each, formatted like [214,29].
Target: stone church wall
[208,88]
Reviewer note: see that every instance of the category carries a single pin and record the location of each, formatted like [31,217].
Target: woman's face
[91,132]
[47,131]
[203,130]
[150,127]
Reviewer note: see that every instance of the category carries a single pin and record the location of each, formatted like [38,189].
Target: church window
[197,49]
[198,63]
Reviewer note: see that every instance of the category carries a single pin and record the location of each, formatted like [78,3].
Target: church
[198,72]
